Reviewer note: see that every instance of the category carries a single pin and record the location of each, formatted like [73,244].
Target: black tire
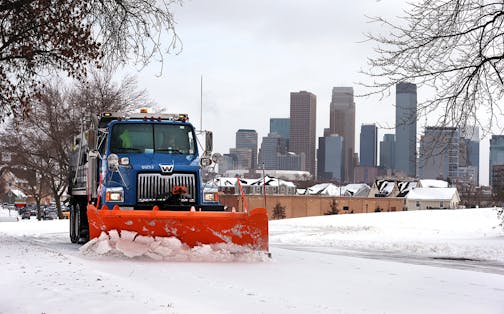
[73,233]
[79,224]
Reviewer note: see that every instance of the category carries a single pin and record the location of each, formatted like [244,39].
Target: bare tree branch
[46,37]
[455,47]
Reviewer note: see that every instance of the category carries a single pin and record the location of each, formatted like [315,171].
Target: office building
[387,151]
[271,146]
[330,158]
[469,155]
[342,122]
[292,161]
[243,157]
[368,145]
[281,126]
[302,133]
[247,139]
[406,128]
[496,156]
[439,153]
[227,162]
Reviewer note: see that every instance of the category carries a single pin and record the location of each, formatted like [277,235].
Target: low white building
[270,185]
[432,198]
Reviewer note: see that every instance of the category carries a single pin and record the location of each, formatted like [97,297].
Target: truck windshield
[160,138]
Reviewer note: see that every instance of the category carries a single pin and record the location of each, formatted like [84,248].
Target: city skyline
[444,152]
[251,62]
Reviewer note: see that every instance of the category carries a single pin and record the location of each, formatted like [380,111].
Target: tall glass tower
[406,128]
[368,145]
[496,154]
[302,133]
[342,122]
[247,139]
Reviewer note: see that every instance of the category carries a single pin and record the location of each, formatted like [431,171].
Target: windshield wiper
[171,150]
[126,150]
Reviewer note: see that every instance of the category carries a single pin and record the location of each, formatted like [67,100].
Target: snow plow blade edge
[190,227]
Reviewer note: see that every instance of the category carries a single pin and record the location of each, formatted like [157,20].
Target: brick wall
[302,206]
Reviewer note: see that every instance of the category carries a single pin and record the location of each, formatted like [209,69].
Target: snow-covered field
[448,261]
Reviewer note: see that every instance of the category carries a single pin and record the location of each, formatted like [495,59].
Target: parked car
[50,215]
[26,214]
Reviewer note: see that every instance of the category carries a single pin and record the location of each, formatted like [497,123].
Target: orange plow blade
[192,228]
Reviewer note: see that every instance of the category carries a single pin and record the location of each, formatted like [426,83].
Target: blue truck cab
[152,161]
[138,161]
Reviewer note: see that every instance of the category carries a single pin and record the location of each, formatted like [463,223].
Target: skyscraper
[272,146]
[342,122]
[406,128]
[302,133]
[496,155]
[368,145]
[439,153]
[469,155]
[243,157]
[387,151]
[248,139]
[281,126]
[330,157]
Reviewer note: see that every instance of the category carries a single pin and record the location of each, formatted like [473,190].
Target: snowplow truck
[143,173]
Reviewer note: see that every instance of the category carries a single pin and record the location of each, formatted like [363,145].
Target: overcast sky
[252,54]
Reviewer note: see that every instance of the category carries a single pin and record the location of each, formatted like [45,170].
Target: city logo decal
[166,168]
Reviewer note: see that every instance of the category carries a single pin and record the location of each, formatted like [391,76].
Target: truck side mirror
[91,139]
[208,142]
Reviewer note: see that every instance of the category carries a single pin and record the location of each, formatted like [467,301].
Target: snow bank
[8,215]
[130,244]
[465,233]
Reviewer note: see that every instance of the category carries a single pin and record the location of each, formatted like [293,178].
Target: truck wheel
[81,224]
[73,235]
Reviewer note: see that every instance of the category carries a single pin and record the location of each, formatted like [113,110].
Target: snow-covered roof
[355,189]
[431,183]
[18,193]
[385,187]
[325,189]
[270,181]
[301,191]
[224,181]
[405,187]
[444,194]
[334,190]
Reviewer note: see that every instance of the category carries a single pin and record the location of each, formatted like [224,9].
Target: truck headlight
[211,197]
[114,195]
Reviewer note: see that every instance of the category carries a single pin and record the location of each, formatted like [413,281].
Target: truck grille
[155,187]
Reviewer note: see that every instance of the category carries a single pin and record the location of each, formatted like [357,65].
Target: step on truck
[143,173]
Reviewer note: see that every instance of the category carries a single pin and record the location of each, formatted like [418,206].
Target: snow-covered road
[494,267]
[41,272]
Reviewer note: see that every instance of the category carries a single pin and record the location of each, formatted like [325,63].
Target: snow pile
[8,215]
[465,233]
[132,245]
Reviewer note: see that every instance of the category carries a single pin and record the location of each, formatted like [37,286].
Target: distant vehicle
[66,212]
[20,205]
[26,214]
[32,209]
[50,215]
